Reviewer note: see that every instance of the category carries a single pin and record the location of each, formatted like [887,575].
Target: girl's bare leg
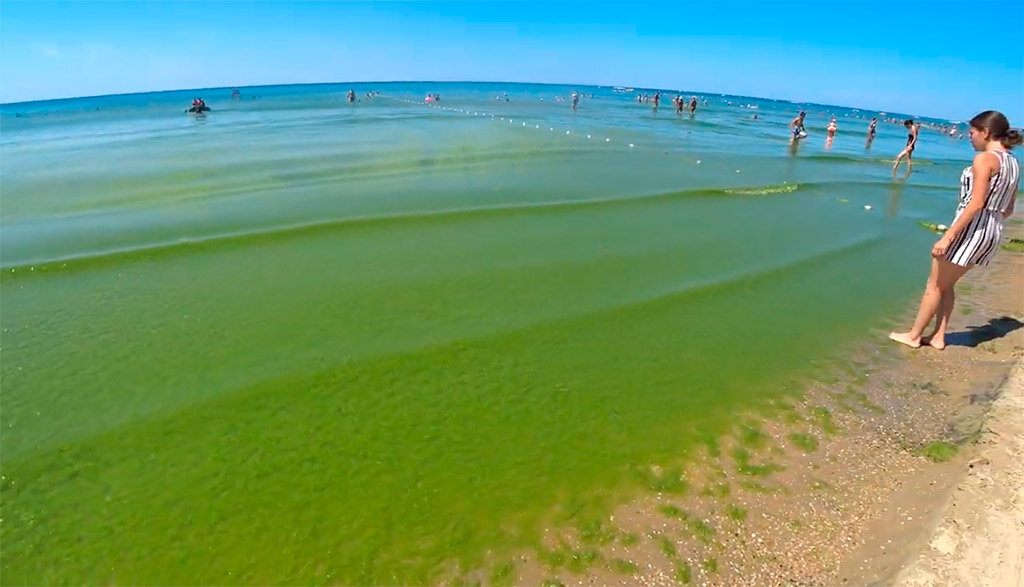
[896,164]
[937,339]
[940,285]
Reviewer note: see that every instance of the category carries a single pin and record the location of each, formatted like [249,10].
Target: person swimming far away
[198,106]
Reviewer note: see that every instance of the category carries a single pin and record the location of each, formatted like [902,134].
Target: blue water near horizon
[27,106]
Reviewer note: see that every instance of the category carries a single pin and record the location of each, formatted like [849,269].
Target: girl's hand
[940,247]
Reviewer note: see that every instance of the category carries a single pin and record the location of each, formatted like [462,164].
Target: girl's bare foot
[905,338]
[930,340]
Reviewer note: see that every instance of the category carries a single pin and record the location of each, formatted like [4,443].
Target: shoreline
[483,390]
[847,486]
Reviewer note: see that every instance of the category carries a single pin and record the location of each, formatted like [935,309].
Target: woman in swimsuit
[988,192]
[908,151]
[832,127]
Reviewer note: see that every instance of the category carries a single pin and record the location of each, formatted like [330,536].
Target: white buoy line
[589,136]
[867,208]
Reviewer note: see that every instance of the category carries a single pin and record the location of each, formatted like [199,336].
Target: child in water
[796,126]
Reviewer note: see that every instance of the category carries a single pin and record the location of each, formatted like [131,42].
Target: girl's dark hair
[998,128]
[908,122]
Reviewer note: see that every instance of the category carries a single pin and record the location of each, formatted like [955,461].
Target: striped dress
[977,243]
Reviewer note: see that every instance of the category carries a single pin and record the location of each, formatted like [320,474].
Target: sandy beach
[979,539]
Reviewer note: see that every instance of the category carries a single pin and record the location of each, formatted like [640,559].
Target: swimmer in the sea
[351,96]
[831,128]
[198,106]
[693,105]
[796,126]
[908,151]
[872,128]
[657,99]
[575,101]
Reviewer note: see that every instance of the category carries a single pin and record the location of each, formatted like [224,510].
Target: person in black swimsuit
[908,151]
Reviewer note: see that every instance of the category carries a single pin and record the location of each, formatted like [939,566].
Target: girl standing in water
[908,151]
[988,192]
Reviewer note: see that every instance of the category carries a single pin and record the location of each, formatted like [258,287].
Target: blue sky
[948,58]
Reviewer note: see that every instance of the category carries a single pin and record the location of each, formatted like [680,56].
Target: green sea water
[303,341]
